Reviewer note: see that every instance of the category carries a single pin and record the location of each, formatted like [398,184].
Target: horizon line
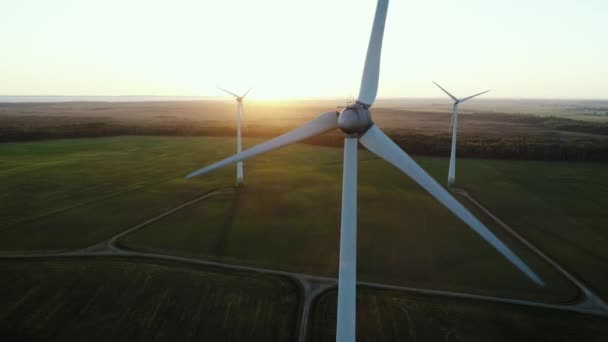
[213,97]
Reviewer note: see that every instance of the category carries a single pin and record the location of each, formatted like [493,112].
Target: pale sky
[312,48]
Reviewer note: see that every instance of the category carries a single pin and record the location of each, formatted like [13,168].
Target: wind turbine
[239,110]
[453,127]
[356,123]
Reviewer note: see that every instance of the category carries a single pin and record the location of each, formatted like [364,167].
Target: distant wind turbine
[453,128]
[239,110]
[356,123]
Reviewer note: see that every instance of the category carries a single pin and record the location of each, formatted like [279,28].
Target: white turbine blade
[229,92]
[470,97]
[380,144]
[347,276]
[371,71]
[247,92]
[320,124]
[445,91]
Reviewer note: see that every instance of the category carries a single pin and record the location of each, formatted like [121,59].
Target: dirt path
[590,300]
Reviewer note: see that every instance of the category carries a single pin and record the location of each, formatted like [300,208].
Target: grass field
[137,300]
[59,188]
[70,194]
[560,207]
[392,316]
[288,218]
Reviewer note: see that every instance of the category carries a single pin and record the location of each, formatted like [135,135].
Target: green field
[560,207]
[286,218]
[86,190]
[137,300]
[392,316]
[71,194]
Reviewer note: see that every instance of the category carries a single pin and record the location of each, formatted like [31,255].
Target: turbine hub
[355,119]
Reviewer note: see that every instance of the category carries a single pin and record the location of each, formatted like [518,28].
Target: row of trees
[526,147]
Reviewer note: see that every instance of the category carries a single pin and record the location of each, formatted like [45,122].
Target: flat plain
[287,217]
[117,299]
[396,316]
[69,194]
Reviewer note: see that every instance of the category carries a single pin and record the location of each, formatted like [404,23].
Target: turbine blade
[445,91]
[229,92]
[380,144]
[470,97]
[247,92]
[371,71]
[320,124]
[347,277]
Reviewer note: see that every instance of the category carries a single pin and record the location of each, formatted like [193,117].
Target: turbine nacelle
[238,98]
[355,119]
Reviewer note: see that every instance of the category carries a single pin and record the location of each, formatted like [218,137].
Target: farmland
[392,316]
[121,182]
[128,300]
[107,185]
[559,207]
[269,224]
[289,221]
[66,195]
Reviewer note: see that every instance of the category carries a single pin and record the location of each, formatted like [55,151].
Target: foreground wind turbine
[356,123]
[239,110]
[454,127]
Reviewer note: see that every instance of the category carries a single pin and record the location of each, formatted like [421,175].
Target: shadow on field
[220,246]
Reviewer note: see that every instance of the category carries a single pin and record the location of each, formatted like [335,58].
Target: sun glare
[291,49]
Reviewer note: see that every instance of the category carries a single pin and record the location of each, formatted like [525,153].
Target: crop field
[63,195]
[137,300]
[560,207]
[68,194]
[288,215]
[391,316]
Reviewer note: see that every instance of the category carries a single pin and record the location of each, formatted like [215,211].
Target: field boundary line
[307,277]
[13,224]
[590,301]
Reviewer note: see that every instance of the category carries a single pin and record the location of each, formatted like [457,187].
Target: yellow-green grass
[287,217]
[561,207]
[116,299]
[67,194]
[396,316]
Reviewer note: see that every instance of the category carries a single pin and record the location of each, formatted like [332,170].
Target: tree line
[546,146]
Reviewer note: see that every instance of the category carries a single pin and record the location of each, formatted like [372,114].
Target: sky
[312,48]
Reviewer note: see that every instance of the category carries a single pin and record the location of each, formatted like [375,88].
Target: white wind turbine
[239,111]
[356,123]
[454,128]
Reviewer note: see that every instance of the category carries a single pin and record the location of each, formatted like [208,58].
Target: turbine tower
[356,123]
[239,110]
[454,127]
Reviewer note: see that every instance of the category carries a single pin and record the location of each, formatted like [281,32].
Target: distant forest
[591,145]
